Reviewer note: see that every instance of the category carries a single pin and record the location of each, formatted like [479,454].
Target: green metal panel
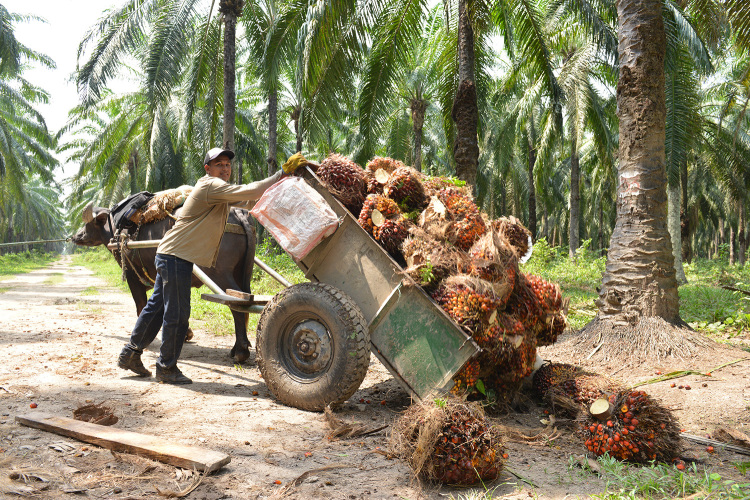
[419,341]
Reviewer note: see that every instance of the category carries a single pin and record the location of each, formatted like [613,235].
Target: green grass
[55,279]
[703,303]
[90,291]
[659,481]
[18,263]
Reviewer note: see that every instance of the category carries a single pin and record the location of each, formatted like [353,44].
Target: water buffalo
[234,266]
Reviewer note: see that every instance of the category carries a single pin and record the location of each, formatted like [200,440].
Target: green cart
[314,339]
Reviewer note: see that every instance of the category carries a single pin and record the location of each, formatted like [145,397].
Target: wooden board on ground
[153,447]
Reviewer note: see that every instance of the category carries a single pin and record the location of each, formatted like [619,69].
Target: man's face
[220,167]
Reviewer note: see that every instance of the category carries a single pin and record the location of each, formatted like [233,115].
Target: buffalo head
[95,230]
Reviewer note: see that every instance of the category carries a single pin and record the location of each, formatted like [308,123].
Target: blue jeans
[168,308]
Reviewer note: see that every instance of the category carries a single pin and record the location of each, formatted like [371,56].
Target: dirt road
[61,330]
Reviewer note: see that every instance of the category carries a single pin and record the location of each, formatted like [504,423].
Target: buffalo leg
[241,350]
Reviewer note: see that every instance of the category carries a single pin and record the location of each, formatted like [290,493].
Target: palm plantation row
[382,78]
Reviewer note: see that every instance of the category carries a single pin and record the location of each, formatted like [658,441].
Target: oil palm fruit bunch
[391,233]
[450,441]
[466,377]
[468,225]
[516,233]
[378,171]
[518,363]
[550,300]
[569,397]
[632,426]
[406,189]
[386,208]
[552,374]
[469,308]
[524,304]
[345,180]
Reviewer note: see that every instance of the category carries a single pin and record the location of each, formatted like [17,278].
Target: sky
[58,38]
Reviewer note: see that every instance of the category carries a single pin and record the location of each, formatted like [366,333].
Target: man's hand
[293,163]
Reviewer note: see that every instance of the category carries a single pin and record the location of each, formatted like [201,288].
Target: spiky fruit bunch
[387,208]
[405,188]
[550,300]
[515,232]
[517,363]
[552,374]
[466,377]
[449,441]
[466,451]
[468,225]
[391,234]
[385,163]
[524,304]
[467,307]
[345,180]
[637,428]
[376,180]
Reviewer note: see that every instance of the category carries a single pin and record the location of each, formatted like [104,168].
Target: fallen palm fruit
[449,441]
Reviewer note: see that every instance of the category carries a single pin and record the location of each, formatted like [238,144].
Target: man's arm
[240,194]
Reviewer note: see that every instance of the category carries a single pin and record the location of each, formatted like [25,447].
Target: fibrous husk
[405,188]
[345,180]
[467,224]
[433,185]
[493,260]
[448,441]
[639,430]
[516,233]
[435,220]
[429,261]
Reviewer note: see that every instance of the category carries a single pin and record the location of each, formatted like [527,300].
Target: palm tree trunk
[685,231]
[231,9]
[601,225]
[418,107]
[465,112]
[732,246]
[639,280]
[273,110]
[741,239]
[575,198]
[532,192]
[673,212]
[133,171]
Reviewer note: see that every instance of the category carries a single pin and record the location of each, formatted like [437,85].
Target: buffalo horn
[88,213]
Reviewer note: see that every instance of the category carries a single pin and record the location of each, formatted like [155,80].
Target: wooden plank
[153,447]
[240,295]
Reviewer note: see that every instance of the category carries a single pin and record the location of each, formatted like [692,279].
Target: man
[194,239]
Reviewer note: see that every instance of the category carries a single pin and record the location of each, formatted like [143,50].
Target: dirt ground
[59,350]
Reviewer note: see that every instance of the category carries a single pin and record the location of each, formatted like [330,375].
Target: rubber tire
[346,331]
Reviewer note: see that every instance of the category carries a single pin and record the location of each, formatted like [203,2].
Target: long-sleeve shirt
[197,233]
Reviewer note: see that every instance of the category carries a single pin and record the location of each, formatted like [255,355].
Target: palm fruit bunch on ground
[405,188]
[449,441]
[378,171]
[552,374]
[345,180]
[571,397]
[468,225]
[553,321]
[632,426]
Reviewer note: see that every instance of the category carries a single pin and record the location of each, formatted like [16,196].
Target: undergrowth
[18,263]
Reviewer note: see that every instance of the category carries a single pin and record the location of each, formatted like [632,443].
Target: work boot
[131,360]
[171,376]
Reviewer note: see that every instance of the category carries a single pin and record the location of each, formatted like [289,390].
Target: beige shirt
[197,233]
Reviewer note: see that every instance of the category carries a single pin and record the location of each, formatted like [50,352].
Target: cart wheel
[313,346]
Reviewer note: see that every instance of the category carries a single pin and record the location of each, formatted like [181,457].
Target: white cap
[215,153]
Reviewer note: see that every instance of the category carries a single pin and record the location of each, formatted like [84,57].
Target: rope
[31,242]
